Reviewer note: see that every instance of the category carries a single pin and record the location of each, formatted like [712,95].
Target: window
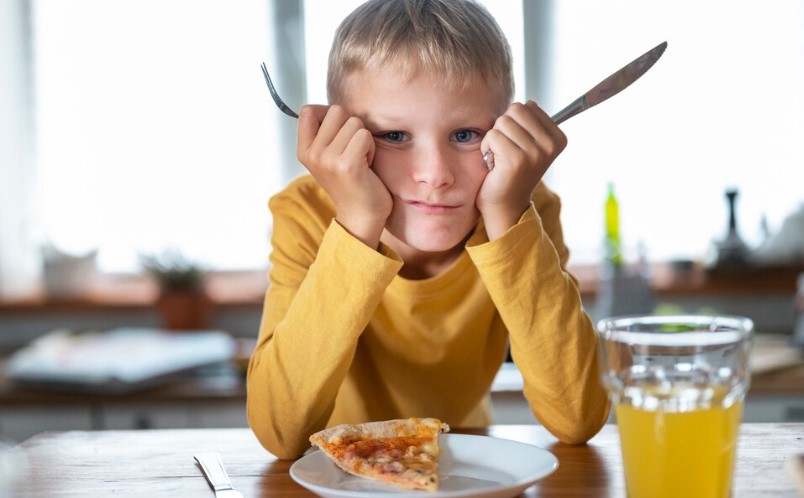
[154,129]
[722,108]
[151,127]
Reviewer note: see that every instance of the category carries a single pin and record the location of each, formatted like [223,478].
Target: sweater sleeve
[319,301]
[553,342]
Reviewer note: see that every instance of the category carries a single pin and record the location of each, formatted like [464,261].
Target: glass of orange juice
[677,384]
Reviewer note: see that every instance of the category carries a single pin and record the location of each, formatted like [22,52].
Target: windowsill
[246,289]
[667,281]
[125,292]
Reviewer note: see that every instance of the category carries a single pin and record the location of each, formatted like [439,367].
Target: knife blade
[612,85]
[609,87]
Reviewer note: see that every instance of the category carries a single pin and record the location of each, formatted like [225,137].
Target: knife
[795,469]
[604,90]
[213,469]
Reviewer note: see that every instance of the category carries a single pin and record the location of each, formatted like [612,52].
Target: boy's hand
[338,151]
[525,141]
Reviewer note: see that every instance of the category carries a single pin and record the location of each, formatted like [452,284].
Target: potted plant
[183,303]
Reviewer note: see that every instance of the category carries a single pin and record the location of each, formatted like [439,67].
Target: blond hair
[458,40]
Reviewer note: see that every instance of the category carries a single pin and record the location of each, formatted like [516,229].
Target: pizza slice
[403,452]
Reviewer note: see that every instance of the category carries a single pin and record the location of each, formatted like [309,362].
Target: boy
[402,268]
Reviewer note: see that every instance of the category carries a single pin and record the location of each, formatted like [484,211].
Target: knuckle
[342,164]
[518,156]
[516,107]
[335,109]
[354,122]
[503,121]
[493,133]
[560,142]
[306,111]
[311,155]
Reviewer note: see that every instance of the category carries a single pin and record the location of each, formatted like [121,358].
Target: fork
[279,102]
[213,469]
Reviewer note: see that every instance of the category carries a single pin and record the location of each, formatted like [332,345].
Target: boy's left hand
[525,141]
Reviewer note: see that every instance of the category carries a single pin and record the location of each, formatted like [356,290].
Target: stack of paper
[115,360]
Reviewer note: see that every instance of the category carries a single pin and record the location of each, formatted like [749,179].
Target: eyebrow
[390,121]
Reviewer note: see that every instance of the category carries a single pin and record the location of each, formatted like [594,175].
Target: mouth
[432,207]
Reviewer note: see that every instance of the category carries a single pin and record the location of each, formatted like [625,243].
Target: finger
[319,148]
[360,147]
[487,149]
[532,130]
[310,118]
[514,139]
[517,128]
[345,135]
[547,122]
[331,125]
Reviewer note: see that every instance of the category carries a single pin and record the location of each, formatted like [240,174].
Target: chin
[432,239]
[435,246]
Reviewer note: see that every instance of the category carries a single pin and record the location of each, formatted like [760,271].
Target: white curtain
[287,68]
[20,259]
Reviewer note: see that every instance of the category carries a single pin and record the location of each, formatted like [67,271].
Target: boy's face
[427,138]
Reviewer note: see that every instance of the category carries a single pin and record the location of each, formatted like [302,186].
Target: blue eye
[392,136]
[465,136]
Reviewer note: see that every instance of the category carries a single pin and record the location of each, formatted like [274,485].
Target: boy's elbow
[274,438]
[587,423]
[581,435]
[283,452]
[578,424]
[280,447]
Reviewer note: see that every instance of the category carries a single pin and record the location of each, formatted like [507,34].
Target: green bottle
[613,245]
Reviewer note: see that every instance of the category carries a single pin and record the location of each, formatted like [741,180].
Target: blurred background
[139,147]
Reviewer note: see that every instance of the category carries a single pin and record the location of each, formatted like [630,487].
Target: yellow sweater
[344,339]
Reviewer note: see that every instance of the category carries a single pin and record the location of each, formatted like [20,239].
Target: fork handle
[212,467]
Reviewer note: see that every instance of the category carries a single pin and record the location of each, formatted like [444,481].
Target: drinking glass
[677,384]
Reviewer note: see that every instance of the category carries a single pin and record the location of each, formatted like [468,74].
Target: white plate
[469,466]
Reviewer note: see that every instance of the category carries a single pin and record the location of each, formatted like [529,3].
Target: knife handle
[795,468]
[212,467]
[576,107]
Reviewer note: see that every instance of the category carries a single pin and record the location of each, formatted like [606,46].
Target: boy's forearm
[317,324]
[552,340]
[499,221]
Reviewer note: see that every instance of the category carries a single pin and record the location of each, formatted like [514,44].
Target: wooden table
[160,463]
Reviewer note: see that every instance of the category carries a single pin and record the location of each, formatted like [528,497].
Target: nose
[433,166]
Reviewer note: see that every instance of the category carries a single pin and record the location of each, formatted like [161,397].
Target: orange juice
[677,454]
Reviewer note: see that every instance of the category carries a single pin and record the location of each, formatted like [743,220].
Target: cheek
[389,168]
[473,173]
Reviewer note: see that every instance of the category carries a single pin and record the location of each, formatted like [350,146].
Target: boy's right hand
[338,151]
